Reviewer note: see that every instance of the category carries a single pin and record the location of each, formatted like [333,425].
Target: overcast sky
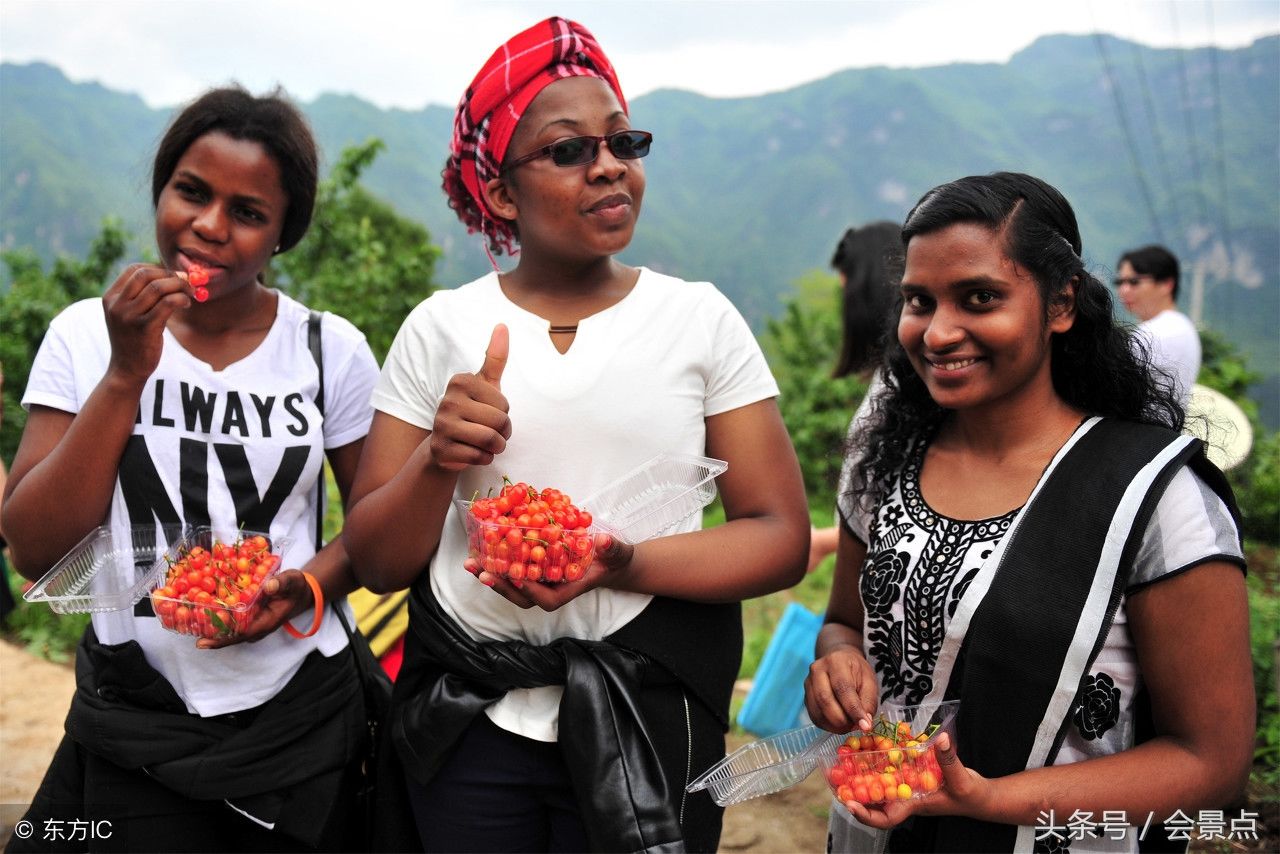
[401,54]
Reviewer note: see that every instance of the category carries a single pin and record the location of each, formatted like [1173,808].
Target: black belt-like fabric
[282,762]
[626,799]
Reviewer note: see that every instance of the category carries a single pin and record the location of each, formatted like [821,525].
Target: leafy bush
[1264,617]
[360,259]
[39,629]
[1256,481]
[1257,486]
[34,298]
[802,347]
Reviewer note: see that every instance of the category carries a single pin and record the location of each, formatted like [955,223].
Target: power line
[1144,87]
[1127,132]
[1193,145]
[1225,209]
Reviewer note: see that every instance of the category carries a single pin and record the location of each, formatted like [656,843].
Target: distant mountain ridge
[752,192]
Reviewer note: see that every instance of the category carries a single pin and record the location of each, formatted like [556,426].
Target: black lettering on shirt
[193,480]
[233,415]
[144,494]
[158,418]
[197,404]
[147,501]
[264,412]
[253,512]
[300,427]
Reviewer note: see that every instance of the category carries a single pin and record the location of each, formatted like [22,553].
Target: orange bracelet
[319,617]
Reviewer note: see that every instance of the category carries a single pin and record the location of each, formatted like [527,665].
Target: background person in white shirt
[1147,283]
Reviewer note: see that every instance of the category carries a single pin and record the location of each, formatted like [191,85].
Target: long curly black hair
[1097,366]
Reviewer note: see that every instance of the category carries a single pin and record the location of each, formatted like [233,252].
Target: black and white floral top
[919,564]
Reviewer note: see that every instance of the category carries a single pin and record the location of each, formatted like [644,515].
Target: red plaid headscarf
[493,104]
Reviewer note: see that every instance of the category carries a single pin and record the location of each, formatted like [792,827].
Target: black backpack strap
[313,344]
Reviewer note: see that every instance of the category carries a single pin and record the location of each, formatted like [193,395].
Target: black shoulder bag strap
[313,344]
[317,353]
[374,682]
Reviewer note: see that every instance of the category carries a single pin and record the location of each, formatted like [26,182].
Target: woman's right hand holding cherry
[840,691]
[137,306]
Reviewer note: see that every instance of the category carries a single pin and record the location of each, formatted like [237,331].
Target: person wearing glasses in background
[567,717]
[1147,283]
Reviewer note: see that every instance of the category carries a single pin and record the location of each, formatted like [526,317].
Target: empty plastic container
[764,767]
[108,570]
[655,497]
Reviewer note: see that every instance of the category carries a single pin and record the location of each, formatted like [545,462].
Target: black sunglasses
[579,150]
[1132,280]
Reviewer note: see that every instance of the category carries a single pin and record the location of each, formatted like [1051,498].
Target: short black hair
[1154,261]
[270,120]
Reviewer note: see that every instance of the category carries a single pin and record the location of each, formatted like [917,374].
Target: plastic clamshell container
[880,767]
[212,619]
[109,570]
[550,563]
[764,767]
[656,496]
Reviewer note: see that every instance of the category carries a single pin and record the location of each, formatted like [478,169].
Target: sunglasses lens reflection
[629,145]
[625,145]
[571,152]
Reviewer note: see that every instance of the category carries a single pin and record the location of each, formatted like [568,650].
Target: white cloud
[407,54]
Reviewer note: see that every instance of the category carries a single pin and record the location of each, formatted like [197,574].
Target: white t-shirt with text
[240,446]
[640,378]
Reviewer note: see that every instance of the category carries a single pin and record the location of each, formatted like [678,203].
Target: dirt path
[793,820]
[35,694]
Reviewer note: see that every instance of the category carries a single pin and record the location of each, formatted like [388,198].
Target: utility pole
[1196,311]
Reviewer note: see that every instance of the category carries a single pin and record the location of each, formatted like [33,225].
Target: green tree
[361,259]
[802,346]
[33,299]
[1256,481]
[1223,368]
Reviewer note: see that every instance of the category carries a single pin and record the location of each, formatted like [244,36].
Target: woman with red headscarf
[531,716]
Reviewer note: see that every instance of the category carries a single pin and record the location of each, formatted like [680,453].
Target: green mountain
[1169,145]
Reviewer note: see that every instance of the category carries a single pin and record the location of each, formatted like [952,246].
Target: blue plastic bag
[776,700]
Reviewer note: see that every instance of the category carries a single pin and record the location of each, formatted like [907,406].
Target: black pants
[499,791]
[86,803]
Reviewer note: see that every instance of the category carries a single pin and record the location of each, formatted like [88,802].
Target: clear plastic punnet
[209,583]
[656,496]
[765,766]
[109,570]
[896,761]
[527,552]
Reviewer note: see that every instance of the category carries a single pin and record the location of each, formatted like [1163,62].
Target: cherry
[529,535]
[198,276]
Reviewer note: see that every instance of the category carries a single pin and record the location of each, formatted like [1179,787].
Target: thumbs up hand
[495,356]
[472,426]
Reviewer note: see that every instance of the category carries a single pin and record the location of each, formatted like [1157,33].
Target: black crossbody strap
[317,353]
